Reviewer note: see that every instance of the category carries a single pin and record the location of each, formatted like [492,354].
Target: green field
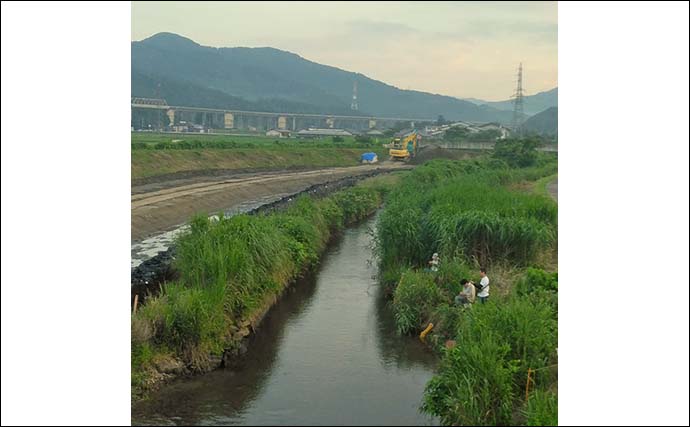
[155,154]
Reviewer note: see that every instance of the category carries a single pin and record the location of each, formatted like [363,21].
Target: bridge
[156,113]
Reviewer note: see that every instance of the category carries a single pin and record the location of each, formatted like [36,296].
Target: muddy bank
[165,209]
[141,185]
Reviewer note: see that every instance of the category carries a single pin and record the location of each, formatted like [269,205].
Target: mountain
[270,79]
[545,122]
[532,104]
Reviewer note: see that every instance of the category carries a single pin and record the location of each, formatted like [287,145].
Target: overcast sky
[463,49]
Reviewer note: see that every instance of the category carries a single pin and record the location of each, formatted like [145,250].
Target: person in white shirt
[434,262]
[483,286]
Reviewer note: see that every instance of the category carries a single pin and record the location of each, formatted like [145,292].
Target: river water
[326,354]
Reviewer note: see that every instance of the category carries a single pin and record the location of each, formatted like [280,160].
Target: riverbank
[474,213]
[231,271]
[156,157]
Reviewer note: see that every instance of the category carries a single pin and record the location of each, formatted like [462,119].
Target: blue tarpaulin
[369,158]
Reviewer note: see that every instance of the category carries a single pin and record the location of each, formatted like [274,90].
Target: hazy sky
[463,49]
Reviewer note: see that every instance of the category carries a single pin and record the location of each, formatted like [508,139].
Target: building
[319,133]
[279,133]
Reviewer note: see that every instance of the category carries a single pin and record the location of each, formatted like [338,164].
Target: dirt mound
[432,152]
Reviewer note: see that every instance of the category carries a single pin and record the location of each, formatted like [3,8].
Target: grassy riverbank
[231,271]
[466,212]
[156,154]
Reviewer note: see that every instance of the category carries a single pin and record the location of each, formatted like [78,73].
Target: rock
[215,361]
[243,348]
[168,365]
[244,332]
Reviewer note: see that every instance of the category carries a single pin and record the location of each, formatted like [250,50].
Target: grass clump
[415,297]
[542,409]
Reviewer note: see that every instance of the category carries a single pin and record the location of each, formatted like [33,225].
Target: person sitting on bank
[434,262]
[467,294]
[483,286]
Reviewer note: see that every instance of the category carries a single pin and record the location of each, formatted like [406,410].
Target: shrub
[474,386]
[517,153]
[415,297]
[542,409]
[536,279]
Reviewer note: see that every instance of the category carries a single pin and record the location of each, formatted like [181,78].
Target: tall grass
[542,409]
[460,208]
[464,211]
[483,377]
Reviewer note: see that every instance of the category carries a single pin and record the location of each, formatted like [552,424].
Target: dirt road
[162,207]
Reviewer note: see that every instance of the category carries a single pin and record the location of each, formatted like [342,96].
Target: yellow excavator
[404,145]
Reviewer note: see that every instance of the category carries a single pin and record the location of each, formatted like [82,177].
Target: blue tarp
[369,157]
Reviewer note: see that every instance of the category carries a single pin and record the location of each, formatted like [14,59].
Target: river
[326,354]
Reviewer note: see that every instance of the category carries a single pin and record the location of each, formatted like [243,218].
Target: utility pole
[518,107]
[354,106]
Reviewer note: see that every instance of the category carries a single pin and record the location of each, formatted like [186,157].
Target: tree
[441,120]
[517,152]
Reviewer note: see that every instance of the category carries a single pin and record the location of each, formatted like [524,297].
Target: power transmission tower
[518,108]
[354,106]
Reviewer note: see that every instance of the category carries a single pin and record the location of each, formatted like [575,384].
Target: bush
[338,139]
[517,153]
[415,297]
[474,386]
[536,279]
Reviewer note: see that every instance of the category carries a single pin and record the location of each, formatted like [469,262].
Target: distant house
[318,133]
[375,132]
[279,133]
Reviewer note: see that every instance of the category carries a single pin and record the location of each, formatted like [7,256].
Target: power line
[518,107]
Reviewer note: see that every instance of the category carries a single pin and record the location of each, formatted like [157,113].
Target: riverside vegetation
[232,268]
[464,211]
